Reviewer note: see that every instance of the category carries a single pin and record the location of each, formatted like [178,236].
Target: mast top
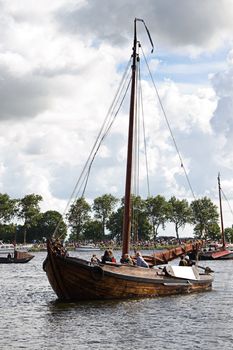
[147,30]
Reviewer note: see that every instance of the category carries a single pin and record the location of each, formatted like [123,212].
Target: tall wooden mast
[221,216]
[127,206]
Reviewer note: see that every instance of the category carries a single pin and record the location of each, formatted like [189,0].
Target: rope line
[144,133]
[169,127]
[227,202]
[108,121]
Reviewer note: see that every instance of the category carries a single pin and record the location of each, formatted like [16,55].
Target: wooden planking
[117,282]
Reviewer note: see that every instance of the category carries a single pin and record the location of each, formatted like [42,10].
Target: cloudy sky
[61,62]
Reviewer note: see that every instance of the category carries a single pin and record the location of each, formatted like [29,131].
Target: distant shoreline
[104,247]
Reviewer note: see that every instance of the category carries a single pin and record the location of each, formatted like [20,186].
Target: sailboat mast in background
[221,215]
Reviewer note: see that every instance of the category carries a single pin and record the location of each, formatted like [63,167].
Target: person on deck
[95,259]
[183,261]
[140,261]
[188,261]
[126,259]
[108,256]
[111,256]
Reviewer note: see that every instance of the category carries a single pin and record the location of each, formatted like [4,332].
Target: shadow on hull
[77,279]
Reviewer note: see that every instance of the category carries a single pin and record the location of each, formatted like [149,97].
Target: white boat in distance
[24,247]
[86,248]
[6,248]
[10,247]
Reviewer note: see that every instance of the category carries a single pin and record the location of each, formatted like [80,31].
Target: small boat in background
[10,255]
[86,248]
[216,252]
[213,254]
[23,247]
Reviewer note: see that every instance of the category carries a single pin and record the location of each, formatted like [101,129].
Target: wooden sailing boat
[77,279]
[10,255]
[217,253]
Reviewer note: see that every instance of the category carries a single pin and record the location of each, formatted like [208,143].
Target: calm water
[31,317]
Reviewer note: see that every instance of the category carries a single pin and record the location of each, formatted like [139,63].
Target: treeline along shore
[22,221]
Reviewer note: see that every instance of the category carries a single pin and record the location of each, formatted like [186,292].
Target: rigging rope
[108,121]
[144,132]
[172,136]
[107,124]
[139,119]
[169,127]
[104,130]
[104,136]
[227,202]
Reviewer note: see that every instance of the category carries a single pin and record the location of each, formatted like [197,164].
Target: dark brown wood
[77,279]
[165,256]
[127,206]
[218,254]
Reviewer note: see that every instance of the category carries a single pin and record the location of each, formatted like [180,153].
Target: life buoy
[97,273]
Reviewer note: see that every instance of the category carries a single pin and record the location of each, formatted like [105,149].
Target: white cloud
[60,65]
[193,24]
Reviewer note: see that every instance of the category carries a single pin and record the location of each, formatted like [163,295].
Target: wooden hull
[14,261]
[214,255]
[170,254]
[76,279]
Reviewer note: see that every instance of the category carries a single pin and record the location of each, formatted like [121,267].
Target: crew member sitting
[189,262]
[140,261]
[108,256]
[95,259]
[126,259]
[183,261]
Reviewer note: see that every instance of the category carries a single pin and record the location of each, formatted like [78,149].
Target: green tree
[8,208]
[115,224]
[47,224]
[204,216]
[229,234]
[180,213]
[29,211]
[92,230]
[78,216]
[214,231]
[8,232]
[157,211]
[140,228]
[103,207]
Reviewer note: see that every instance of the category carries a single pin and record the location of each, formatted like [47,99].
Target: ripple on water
[31,317]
